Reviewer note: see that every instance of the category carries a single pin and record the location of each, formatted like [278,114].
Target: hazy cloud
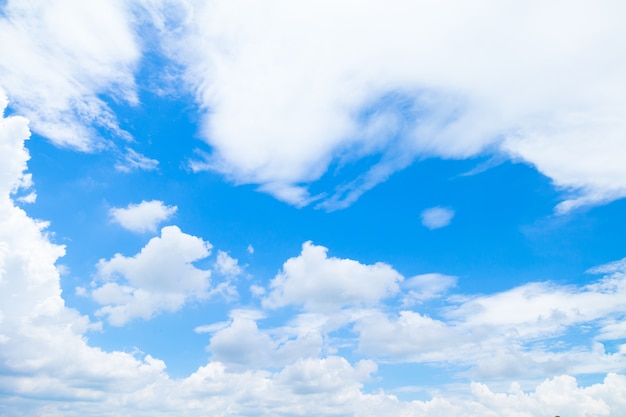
[437,217]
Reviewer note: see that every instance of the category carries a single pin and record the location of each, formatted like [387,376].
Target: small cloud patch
[437,217]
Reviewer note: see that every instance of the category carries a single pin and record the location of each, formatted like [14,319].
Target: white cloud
[243,345]
[143,217]
[48,368]
[320,283]
[437,217]
[63,55]
[288,88]
[226,265]
[512,334]
[44,352]
[161,277]
[133,161]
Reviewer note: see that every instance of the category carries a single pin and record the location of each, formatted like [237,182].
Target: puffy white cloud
[62,56]
[161,277]
[289,88]
[43,350]
[320,283]
[48,368]
[226,265]
[522,332]
[142,217]
[437,217]
[241,344]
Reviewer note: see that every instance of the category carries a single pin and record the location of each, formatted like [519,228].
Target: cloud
[427,286]
[48,367]
[243,345]
[523,332]
[160,278]
[226,265]
[62,58]
[44,354]
[143,217]
[437,217]
[133,161]
[320,283]
[287,91]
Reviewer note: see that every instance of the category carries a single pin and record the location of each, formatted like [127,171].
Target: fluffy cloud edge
[142,217]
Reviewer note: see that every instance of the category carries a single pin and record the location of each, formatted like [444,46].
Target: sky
[297,208]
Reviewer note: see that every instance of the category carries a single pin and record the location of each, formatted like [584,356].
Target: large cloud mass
[289,87]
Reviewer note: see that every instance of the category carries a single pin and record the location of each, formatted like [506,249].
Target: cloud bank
[288,89]
[285,91]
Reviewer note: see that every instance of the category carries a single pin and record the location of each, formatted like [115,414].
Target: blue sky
[304,208]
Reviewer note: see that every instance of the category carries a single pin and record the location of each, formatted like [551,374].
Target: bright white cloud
[161,277]
[287,88]
[62,56]
[143,217]
[318,283]
[43,350]
[243,345]
[437,217]
[48,368]
[505,334]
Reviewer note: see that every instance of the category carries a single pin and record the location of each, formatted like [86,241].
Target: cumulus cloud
[241,344]
[161,277]
[43,352]
[62,57]
[289,89]
[48,367]
[505,334]
[318,283]
[437,217]
[143,217]
[227,265]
